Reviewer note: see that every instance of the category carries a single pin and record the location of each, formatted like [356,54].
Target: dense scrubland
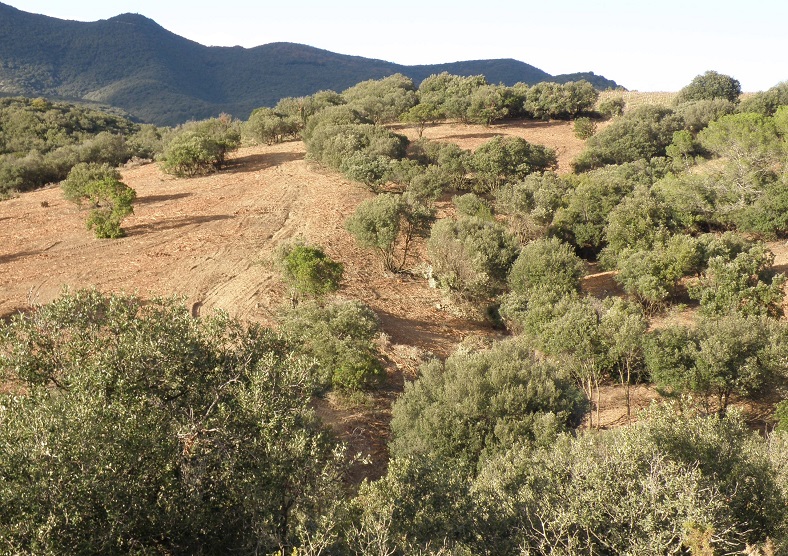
[131,426]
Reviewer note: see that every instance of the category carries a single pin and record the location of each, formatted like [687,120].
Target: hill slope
[131,62]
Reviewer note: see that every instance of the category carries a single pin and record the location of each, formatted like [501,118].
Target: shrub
[582,219]
[135,428]
[651,488]
[697,114]
[584,128]
[357,150]
[643,133]
[340,337]
[546,264]
[199,148]
[267,126]
[308,270]
[637,222]
[477,405]
[611,107]
[509,159]
[532,203]
[472,205]
[382,100]
[376,224]
[109,198]
[547,100]
[745,284]
[652,276]
[725,355]
[710,85]
[471,256]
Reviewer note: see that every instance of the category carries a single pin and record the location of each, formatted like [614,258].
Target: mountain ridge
[131,62]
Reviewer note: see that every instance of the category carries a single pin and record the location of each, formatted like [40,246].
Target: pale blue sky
[644,45]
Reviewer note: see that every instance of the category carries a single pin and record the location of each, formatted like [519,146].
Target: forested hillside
[423,291]
[131,62]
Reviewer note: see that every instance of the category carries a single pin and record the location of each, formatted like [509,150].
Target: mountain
[131,62]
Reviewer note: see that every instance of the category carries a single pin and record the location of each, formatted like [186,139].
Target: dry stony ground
[211,240]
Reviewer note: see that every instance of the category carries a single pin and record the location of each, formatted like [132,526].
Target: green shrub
[724,355]
[382,100]
[109,199]
[340,337]
[547,100]
[509,159]
[470,256]
[711,85]
[135,428]
[643,133]
[745,283]
[308,270]
[199,148]
[477,405]
[584,128]
[472,205]
[546,264]
[611,107]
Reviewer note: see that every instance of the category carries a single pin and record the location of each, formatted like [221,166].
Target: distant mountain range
[131,62]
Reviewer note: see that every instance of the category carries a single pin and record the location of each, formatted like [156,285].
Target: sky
[651,45]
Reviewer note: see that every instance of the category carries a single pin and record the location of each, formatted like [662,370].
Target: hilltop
[131,62]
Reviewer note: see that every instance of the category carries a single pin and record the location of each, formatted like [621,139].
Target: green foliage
[267,126]
[553,100]
[376,225]
[477,405]
[488,104]
[697,114]
[750,144]
[637,222]
[340,337]
[471,256]
[508,159]
[41,141]
[582,219]
[308,270]
[634,490]
[531,204]
[450,94]
[450,162]
[472,205]
[109,198]
[693,200]
[421,506]
[421,114]
[781,415]
[584,128]
[383,100]
[199,148]
[723,356]
[546,264]
[611,107]
[744,283]
[134,428]
[642,133]
[360,151]
[332,115]
[768,214]
[652,276]
[766,102]
[711,85]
